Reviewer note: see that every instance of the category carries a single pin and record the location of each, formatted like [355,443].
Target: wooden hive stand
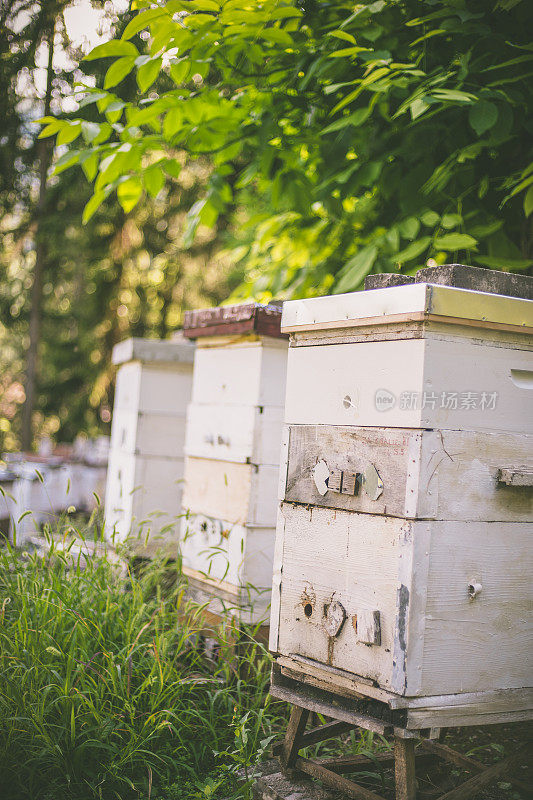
[407,753]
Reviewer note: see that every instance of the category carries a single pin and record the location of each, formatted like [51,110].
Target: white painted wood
[487,642]
[244,434]
[165,389]
[250,372]
[425,474]
[435,638]
[149,434]
[149,388]
[145,474]
[168,351]
[128,387]
[352,558]
[143,496]
[413,301]
[243,494]
[340,385]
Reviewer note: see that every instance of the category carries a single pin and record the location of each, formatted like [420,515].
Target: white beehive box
[403,548]
[232,448]
[145,470]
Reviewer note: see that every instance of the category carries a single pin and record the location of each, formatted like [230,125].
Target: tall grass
[104,692]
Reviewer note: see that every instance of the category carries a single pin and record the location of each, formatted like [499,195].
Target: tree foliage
[372,137]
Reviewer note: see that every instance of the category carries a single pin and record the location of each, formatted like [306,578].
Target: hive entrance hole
[308,609]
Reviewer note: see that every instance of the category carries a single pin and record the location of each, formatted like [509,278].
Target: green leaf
[154,180]
[356,269]
[455,241]
[449,221]
[142,20]
[347,37]
[173,123]
[454,95]
[528,202]
[482,116]
[409,227]
[118,71]
[413,250]
[114,49]
[67,160]
[355,119]
[129,192]
[172,168]
[67,134]
[483,187]
[179,71]
[429,219]
[93,205]
[52,128]
[347,51]
[90,130]
[113,111]
[417,107]
[147,74]
[89,164]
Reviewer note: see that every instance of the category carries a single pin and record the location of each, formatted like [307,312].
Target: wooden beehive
[232,448]
[403,549]
[145,470]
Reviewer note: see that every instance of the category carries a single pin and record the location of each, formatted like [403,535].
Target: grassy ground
[104,692]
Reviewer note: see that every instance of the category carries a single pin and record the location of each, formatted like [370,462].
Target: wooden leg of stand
[404,767]
[295,729]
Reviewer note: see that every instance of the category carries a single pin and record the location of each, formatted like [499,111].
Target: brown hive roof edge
[234,320]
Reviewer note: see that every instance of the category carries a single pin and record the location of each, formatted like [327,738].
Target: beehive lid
[168,351]
[421,300]
[234,320]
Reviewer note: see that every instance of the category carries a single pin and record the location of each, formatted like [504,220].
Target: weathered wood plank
[338,782]
[293,736]
[425,474]
[404,769]
[474,784]
[421,329]
[329,710]
[465,762]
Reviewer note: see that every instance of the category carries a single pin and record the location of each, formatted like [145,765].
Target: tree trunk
[45,155]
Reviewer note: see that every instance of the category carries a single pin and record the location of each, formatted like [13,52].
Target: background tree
[375,137]
[116,276]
